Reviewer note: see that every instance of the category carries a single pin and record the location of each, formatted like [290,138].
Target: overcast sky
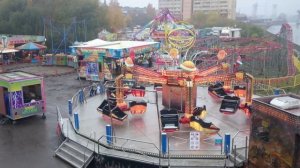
[265,7]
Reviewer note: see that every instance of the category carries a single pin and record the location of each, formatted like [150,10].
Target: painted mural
[271,145]
[17,99]
[92,71]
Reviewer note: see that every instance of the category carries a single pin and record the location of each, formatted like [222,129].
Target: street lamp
[189,82]
[4,41]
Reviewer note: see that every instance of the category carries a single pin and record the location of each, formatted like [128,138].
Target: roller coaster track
[286,42]
[286,33]
[291,80]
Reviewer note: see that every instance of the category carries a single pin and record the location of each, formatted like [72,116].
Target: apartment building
[174,6]
[184,9]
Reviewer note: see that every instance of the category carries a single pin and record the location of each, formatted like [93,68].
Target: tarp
[8,50]
[127,44]
[93,43]
[31,46]
[118,49]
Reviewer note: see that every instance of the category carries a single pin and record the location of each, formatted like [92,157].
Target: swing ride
[184,79]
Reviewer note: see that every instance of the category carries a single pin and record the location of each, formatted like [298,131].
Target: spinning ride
[170,32]
[181,80]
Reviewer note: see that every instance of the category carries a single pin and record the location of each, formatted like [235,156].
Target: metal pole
[94,142]
[65,42]
[110,113]
[234,155]
[170,91]
[75,29]
[159,126]
[181,108]
[68,128]
[84,30]
[51,35]
[232,144]
[246,149]
[4,46]
[169,152]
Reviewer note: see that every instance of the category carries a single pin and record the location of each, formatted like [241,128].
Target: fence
[281,82]
[178,146]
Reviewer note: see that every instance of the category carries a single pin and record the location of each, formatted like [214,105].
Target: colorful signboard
[22,39]
[92,71]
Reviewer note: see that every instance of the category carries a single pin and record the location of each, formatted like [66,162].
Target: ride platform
[138,137]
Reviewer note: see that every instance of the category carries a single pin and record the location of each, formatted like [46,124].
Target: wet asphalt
[31,142]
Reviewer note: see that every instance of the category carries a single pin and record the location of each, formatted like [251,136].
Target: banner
[92,71]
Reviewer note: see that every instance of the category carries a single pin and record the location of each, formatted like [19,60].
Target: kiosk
[21,95]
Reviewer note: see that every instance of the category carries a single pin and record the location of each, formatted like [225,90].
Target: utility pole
[84,29]
[65,41]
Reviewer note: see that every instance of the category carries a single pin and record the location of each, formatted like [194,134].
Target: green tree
[213,19]
[116,18]
[150,11]
[202,20]
[29,16]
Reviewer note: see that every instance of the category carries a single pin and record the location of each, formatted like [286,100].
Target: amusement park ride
[186,78]
[181,80]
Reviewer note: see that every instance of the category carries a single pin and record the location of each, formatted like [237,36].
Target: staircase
[238,159]
[75,154]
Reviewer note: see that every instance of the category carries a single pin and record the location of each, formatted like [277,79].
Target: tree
[213,19]
[150,11]
[202,20]
[115,17]
[29,16]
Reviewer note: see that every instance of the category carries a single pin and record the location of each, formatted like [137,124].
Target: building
[275,132]
[184,9]
[174,6]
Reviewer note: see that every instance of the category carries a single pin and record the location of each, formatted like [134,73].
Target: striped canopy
[31,46]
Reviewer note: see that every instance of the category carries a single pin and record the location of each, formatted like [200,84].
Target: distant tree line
[213,19]
[39,17]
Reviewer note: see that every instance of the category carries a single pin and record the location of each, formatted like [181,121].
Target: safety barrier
[180,142]
[146,149]
[281,82]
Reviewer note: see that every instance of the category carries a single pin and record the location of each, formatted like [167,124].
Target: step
[76,155]
[240,152]
[238,160]
[79,148]
[76,149]
[68,158]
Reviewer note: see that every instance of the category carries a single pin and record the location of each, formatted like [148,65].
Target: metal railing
[60,122]
[263,89]
[146,149]
[207,148]
[237,137]
[243,144]
[86,148]
[86,94]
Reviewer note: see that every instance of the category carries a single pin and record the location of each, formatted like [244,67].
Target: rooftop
[267,102]
[17,76]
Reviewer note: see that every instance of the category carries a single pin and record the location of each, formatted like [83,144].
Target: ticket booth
[21,95]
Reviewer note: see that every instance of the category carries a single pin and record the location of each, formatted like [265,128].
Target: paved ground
[31,142]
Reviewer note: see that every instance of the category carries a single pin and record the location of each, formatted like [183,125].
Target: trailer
[21,95]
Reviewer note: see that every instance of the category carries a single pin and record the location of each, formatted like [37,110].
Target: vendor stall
[111,54]
[21,95]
